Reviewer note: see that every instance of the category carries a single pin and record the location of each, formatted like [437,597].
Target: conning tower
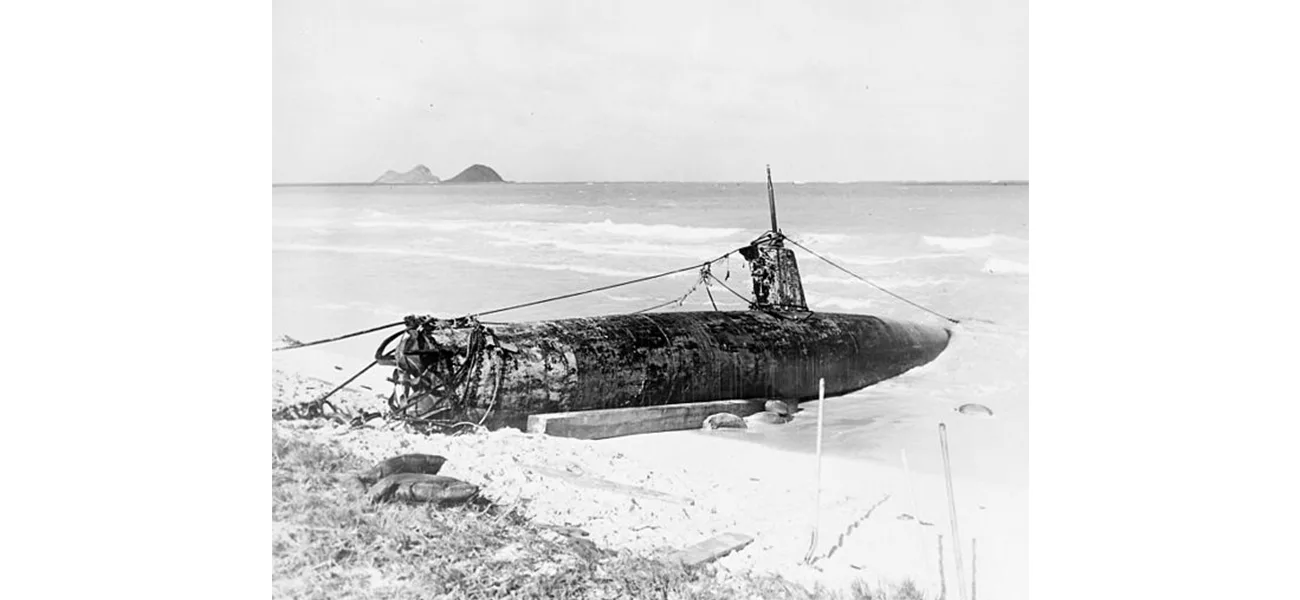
[777,285]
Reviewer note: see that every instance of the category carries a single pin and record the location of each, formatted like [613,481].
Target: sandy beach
[701,484]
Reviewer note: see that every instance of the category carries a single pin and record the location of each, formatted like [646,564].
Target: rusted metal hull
[670,358]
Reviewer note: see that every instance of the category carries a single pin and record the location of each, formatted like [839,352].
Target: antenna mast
[771,199]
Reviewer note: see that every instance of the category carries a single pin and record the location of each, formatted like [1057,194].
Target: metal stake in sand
[952,512]
[943,583]
[817,505]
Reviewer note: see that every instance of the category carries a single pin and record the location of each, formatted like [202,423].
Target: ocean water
[346,258]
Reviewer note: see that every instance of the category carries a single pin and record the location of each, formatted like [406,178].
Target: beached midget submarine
[466,370]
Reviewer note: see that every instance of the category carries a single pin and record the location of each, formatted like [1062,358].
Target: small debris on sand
[978,410]
[778,407]
[422,488]
[724,421]
[406,463]
[285,341]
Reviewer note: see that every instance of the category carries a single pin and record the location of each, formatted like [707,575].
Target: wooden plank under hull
[634,360]
[616,422]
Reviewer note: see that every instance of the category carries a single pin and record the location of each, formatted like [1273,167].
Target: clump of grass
[903,591]
[329,542]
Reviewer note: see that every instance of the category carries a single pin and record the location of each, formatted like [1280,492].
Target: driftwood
[711,549]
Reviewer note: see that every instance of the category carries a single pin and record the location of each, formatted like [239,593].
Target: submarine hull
[635,360]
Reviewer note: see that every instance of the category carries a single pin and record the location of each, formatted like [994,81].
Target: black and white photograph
[650,299]
[665,300]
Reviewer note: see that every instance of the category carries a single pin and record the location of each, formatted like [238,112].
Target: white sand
[736,486]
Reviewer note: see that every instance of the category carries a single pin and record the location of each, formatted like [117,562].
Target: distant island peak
[421,175]
[477,173]
[417,174]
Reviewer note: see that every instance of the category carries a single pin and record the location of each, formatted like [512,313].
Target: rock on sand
[724,421]
[778,407]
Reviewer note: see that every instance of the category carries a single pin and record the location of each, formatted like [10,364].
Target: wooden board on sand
[615,422]
[711,549]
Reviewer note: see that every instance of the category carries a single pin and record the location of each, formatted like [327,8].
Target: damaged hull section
[466,371]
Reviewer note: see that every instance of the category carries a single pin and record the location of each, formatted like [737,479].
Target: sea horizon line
[595,182]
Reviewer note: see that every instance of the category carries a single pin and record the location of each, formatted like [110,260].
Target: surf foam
[543,229]
[972,243]
[478,260]
[998,266]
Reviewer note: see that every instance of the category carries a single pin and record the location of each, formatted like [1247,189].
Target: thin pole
[952,512]
[972,568]
[817,504]
[943,583]
[771,199]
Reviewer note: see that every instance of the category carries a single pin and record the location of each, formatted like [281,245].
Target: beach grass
[329,542]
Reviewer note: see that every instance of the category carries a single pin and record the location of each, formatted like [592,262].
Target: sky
[668,90]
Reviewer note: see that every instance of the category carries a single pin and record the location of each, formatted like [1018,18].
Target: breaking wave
[910,282]
[477,260]
[695,252]
[622,298]
[657,232]
[840,302]
[998,266]
[374,309]
[972,243]
[604,238]
[818,239]
[874,261]
[542,229]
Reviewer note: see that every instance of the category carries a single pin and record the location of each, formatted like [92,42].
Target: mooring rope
[678,300]
[705,276]
[709,291]
[313,408]
[728,288]
[870,283]
[295,346]
[599,289]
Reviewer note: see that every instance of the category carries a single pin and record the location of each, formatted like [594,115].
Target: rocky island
[477,174]
[421,175]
